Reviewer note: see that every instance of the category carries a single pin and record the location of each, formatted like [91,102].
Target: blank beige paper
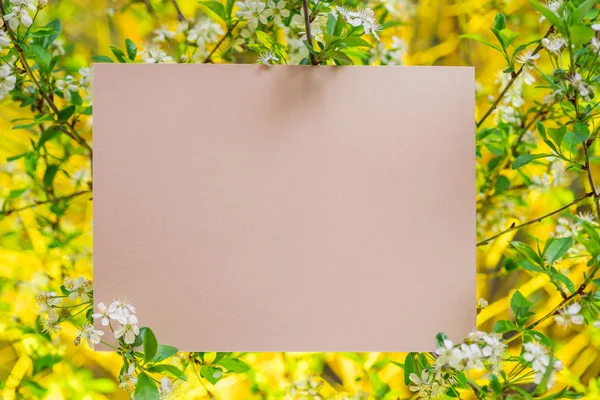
[287,208]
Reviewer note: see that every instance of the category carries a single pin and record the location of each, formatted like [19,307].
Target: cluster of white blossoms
[479,351]
[123,312]
[8,80]
[364,17]
[256,12]
[306,389]
[19,13]
[540,359]
[47,303]
[80,288]
[69,85]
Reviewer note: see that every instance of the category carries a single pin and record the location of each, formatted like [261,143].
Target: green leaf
[550,15]
[564,280]
[131,49]
[499,22]
[409,367]
[480,39]
[66,113]
[557,134]
[520,307]
[580,34]
[234,365]
[211,374]
[508,36]
[56,27]
[580,13]
[581,130]
[525,159]
[527,251]
[48,134]
[168,369]
[42,57]
[215,7]
[146,388]
[354,41]
[331,21]
[150,345]
[503,326]
[556,248]
[495,384]
[163,352]
[502,184]
[102,59]
[118,54]
[50,174]
[340,57]
[41,31]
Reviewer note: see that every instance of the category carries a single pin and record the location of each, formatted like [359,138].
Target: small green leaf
[168,369]
[131,49]
[520,307]
[354,41]
[480,39]
[234,365]
[499,22]
[503,326]
[66,113]
[215,7]
[146,388]
[102,59]
[56,27]
[495,384]
[118,54]
[211,374]
[340,57]
[150,345]
[50,174]
[163,352]
[525,159]
[42,57]
[556,248]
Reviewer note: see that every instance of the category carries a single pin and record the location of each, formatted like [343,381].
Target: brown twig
[42,202]
[313,61]
[180,16]
[588,171]
[579,292]
[220,42]
[514,227]
[511,81]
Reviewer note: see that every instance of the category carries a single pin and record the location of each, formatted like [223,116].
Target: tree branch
[514,227]
[220,42]
[510,83]
[308,33]
[41,202]
[180,16]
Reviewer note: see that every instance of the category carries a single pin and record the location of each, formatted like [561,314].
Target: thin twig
[588,171]
[512,80]
[514,227]
[41,202]
[579,292]
[228,33]
[180,16]
[308,33]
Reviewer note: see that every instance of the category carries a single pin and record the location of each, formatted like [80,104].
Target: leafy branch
[514,227]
